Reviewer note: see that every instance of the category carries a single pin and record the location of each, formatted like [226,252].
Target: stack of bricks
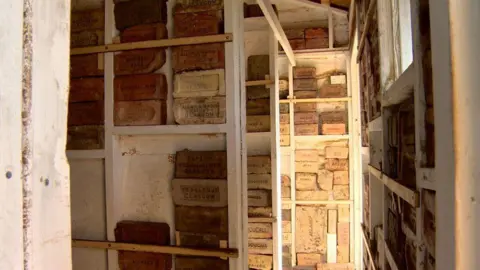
[308,38]
[199,70]
[139,93]
[200,195]
[258,103]
[284,124]
[260,243]
[86,100]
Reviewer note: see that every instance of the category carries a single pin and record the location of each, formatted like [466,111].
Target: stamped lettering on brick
[198,57]
[336,152]
[201,164]
[260,230]
[259,164]
[188,239]
[305,107]
[200,192]
[334,117]
[258,123]
[191,111]
[259,181]
[304,72]
[140,113]
[340,178]
[306,166]
[333,129]
[306,130]
[197,24]
[139,61]
[304,84]
[140,87]
[200,83]
[307,155]
[258,107]
[260,198]
[262,262]
[310,259]
[306,181]
[333,91]
[336,164]
[260,246]
[325,179]
[284,140]
[305,118]
[259,212]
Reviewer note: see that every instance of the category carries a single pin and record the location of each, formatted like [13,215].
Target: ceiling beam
[272,19]
[310,4]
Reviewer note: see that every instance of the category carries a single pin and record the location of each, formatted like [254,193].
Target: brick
[298,33]
[258,107]
[284,108]
[283,85]
[316,43]
[304,84]
[260,230]
[338,79]
[333,164]
[201,164]
[287,262]
[88,65]
[201,219]
[260,246]
[333,117]
[131,260]
[87,38]
[343,234]
[202,110]
[306,181]
[198,57]
[85,138]
[140,113]
[287,226]
[200,192]
[307,129]
[285,179]
[86,89]
[343,254]
[285,129]
[286,214]
[304,72]
[258,92]
[305,94]
[200,263]
[305,118]
[144,32]
[139,61]
[341,192]
[312,195]
[188,239]
[332,91]
[200,83]
[333,129]
[325,180]
[297,44]
[287,238]
[140,87]
[284,140]
[310,259]
[187,6]
[260,262]
[92,19]
[335,266]
[259,198]
[336,152]
[286,192]
[343,213]
[131,13]
[85,113]
[259,181]
[305,107]
[306,166]
[258,66]
[340,178]
[258,123]
[317,32]
[198,24]
[256,11]
[306,155]
[259,211]
[284,118]
[310,230]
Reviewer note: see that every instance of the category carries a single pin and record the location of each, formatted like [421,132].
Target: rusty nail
[47,182]
[8,174]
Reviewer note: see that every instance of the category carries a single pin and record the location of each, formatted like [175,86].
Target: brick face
[87,38]
[187,6]
[200,263]
[89,65]
[144,32]
[198,57]
[85,113]
[201,219]
[198,24]
[93,19]
[131,13]
[139,61]
[86,89]
[201,164]
[140,113]
[85,138]
[140,87]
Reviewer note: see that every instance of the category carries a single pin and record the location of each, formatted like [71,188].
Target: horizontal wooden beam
[366,26]
[317,202]
[170,129]
[324,100]
[260,82]
[221,253]
[311,4]
[409,195]
[401,89]
[161,43]
[262,220]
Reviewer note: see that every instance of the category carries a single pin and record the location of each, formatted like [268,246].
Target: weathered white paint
[385,36]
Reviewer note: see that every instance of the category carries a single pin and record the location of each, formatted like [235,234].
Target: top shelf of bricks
[152,87]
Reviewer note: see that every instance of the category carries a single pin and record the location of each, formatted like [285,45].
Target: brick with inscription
[333,117]
[343,234]
[304,72]
[92,19]
[306,166]
[333,129]
[200,263]
[200,192]
[144,32]
[306,155]
[332,91]
[86,89]
[341,192]
[310,229]
[258,67]
[201,164]
[258,123]
[305,107]
[198,57]
[305,94]
[285,129]
[284,108]
[203,240]
[316,43]
[306,181]
[312,195]
[340,178]
[140,87]
[140,113]
[187,6]
[87,38]
[260,246]
[310,259]
[201,219]
[336,152]
[86,113]
[284,118]
[260,262]
[306,129]
[85,137]
[317,32]
[200,83]
[258,92]
[259,212]
[198,24]
[305,118]
[335,266]
[88,65]
[131,13]
[333,164]
[258,107]
[139,61]
[338,79]
[259,198]
[284,140]
[131,260]
[304,84]
[260,230]
[200,110]
[259,181]
[325,179]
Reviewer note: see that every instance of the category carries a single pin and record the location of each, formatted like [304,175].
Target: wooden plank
[200,192]
[332,221]
[153,44]
[331,248]
[318,100]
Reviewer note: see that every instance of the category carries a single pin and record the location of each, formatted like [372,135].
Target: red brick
[131,13]
[186,6]
[306,118]
[333,91]
[201,164]
[144,32]
[87,38]
[305,107]
[139,61]
[198,24]
[305,84]
[85,113]
[92,19]
[297,44]
[316,43]
[85,138]
[201,219]
[333,164]
[200,263]
[333,129]
[305,94]
[333,117]
[304,72]
[140,87]
[140,113]
[258,107]
[195,57]
[89,65]
[131,260]
[318,32]
[307,129]
[86,89]
[298,33]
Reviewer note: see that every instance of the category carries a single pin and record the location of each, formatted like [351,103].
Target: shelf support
[409,195]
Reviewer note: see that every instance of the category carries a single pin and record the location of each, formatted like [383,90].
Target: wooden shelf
[409,195]
[315,52]
[344,202]
[260,82]
[85,154]
[262,220]
[401,89]
[319,100]
[323,137]
[170,129]
[266,133]
[221,253]
[152,44]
